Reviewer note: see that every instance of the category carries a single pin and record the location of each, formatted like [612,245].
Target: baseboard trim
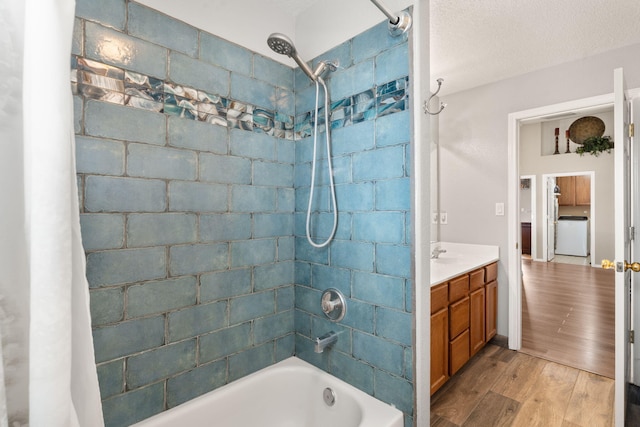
[500,340]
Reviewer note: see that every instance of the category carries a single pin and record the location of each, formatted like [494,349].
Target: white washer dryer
[573,236]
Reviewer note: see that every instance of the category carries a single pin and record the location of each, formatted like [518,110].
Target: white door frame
[635,250]
[546,179]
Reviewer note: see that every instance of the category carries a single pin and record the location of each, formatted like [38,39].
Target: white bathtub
[287,394]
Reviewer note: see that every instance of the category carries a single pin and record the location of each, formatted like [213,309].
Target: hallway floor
[568,315]
[501,387]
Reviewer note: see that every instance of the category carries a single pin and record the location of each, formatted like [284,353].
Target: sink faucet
[324,341]
[437,251]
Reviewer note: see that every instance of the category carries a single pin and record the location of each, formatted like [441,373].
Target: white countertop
[460,258]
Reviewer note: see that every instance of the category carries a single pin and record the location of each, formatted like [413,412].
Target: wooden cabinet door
[567,186]
[458,352]
[477,321]
[491,306]
[583,190]
[439,349]
[526,237]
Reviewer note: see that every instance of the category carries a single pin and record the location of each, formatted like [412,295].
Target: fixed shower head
[283,45]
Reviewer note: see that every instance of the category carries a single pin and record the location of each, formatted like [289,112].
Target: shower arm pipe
[392,18]
[398,24]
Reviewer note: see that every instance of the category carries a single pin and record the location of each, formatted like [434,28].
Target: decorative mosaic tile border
[95,80]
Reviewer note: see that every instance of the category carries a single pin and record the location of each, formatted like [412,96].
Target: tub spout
[324,341]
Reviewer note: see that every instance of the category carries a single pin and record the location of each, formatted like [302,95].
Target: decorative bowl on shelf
[586,127]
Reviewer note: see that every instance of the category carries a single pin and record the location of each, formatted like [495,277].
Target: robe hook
[425,106]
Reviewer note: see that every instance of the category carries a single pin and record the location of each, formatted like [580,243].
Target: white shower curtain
[45,327]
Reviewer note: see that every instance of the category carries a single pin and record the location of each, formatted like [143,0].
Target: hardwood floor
[568,315]
[563,374]
[500,387]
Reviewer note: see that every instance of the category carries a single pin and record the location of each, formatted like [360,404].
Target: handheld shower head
[279,43]
[283,45]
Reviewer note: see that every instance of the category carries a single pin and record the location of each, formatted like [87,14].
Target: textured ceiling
[478,42]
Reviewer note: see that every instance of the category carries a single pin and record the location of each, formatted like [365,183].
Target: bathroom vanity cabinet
[463,320]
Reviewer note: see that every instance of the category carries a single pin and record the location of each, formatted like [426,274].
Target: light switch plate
[500,209]
[443,218]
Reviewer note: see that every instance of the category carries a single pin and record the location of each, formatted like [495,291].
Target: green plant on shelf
[595,145]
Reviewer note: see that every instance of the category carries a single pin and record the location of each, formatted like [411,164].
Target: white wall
[473,145]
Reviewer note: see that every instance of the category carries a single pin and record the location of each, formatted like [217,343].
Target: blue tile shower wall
[191,190]
[370,258]
[185,159]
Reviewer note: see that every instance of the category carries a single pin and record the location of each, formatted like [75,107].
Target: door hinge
[632,336]
[631,130]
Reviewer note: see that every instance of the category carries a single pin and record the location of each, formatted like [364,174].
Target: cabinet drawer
[491,272]
[458,352]
[439,297]
[458,288]
[476,279]
[458,317]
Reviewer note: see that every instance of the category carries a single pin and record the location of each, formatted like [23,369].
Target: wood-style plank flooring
[568,315]
[567,340]
[501,387]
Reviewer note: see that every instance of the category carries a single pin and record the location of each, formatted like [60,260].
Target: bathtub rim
[375,408]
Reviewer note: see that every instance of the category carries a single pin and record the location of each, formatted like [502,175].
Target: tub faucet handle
[333,304]
[328,305]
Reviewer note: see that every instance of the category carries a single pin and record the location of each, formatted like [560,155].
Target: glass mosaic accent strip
[95,80]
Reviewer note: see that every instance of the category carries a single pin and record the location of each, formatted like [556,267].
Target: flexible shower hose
[319,82]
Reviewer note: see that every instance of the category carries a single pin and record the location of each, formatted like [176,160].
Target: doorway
[557,316]
[515,303]
[515,122]
[571,220]
[528,215]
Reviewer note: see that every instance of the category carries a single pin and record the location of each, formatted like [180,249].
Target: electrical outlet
[500,209]
[434,218]
[443,218]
